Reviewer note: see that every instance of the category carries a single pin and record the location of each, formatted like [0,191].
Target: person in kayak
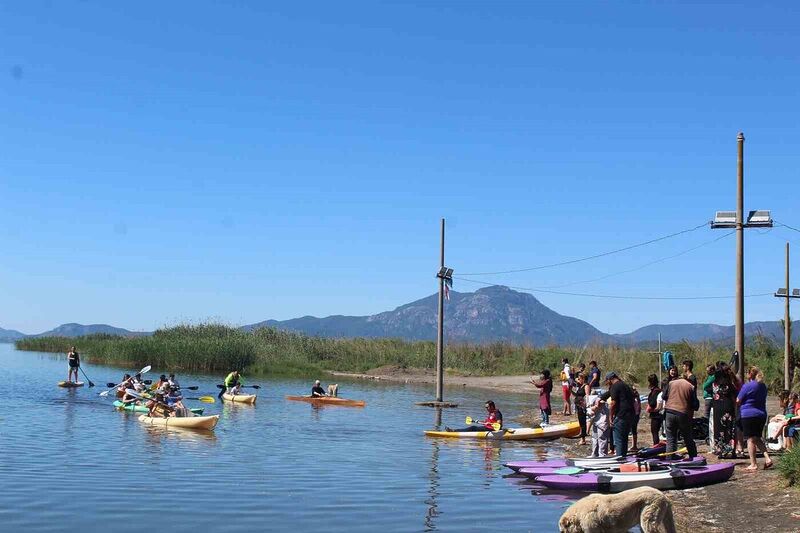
[493,416]
[173,382]
[158,407]
[161,385]
[317,391]
[233,383]
[124,385]
[74,363]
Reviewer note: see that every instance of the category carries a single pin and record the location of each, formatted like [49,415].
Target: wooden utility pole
[739,311]
[445,276]
[440,328]
[736,220]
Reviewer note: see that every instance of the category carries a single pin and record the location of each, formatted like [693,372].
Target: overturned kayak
[191,422]
[70,384]
[583,461]
[571,429]
[539,471]
[240,398]
[142,409]
[328,400]
[665,478]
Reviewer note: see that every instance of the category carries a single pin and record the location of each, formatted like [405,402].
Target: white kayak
[192,422]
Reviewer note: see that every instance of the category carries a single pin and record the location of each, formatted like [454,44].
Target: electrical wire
[582,259]
[611,296]
[787,226]
[640,267]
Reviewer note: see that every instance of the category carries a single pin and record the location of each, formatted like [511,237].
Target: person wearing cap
[233,383]
[620,411]
[317,391]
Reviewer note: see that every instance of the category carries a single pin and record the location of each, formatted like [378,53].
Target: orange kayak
[328,400]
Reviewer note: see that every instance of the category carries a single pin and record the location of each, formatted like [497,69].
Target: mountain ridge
[490,314]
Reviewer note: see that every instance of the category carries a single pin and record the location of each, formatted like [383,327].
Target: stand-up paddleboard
[70,384]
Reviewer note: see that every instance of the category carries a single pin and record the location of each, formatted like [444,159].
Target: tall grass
[220,348]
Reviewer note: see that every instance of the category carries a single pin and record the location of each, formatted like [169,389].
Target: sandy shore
[758,501]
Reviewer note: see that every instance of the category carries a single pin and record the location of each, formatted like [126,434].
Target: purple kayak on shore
[543,470]
[668,478]
[583,461]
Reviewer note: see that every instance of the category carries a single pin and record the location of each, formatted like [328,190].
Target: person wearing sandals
[752,401]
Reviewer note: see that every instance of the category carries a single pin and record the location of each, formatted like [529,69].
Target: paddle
[470,421]
[204,399]
[145,370]
[241,387]
[87,377]
[112,385]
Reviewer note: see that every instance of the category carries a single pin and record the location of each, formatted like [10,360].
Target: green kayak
[142,409]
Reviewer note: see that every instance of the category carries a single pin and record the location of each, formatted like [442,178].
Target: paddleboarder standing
[74,362]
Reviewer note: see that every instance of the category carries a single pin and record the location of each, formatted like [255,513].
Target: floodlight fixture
[782,292]
[445,273]
[796,292]
[724,219]
[760,219]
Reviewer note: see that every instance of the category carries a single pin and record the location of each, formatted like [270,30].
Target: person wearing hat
[620,411]
[317,391]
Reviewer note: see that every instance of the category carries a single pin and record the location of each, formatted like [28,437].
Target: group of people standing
[611,416]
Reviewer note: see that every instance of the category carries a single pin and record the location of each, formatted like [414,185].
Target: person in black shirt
[621,411]
[317,390]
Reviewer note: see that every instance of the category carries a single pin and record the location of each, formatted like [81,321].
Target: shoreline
[762,497]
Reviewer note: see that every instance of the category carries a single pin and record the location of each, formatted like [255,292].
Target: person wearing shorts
[74,363]
[566,375]
[752,402]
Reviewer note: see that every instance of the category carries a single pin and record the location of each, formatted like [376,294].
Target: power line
[612,296]
[645,265]
[604,254]
[787,226]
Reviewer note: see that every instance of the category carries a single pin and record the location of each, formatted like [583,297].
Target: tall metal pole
[739,311]
[440,330]
[787,329]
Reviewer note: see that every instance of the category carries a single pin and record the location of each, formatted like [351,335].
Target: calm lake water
[69,461]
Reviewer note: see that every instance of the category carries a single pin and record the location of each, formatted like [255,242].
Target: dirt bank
[749,501]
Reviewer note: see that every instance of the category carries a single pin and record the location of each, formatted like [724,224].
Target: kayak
[571,429]
[328,400]
[192,422]
[582,461]
[662,479]
[539,471]
[240,398]
[70,384]
[142,409]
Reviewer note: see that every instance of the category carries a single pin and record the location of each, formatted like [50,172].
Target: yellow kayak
[191,422]
[328,400]
[240,398]
[70,384]
[571,429]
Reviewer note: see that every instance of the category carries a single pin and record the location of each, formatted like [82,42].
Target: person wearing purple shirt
[752,401]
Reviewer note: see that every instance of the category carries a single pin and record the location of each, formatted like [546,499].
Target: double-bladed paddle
[145,370]
[496,426]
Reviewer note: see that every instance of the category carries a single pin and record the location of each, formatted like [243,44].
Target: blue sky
[242,161]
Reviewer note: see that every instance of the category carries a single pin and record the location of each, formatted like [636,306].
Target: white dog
[617,513]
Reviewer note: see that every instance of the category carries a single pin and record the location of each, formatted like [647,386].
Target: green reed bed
[220,348]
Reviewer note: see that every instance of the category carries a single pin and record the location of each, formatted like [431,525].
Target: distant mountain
[78,330]
[10,335]
[704,332]
[489,314]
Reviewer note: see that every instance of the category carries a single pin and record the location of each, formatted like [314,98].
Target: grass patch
[215,348]
[789,465]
